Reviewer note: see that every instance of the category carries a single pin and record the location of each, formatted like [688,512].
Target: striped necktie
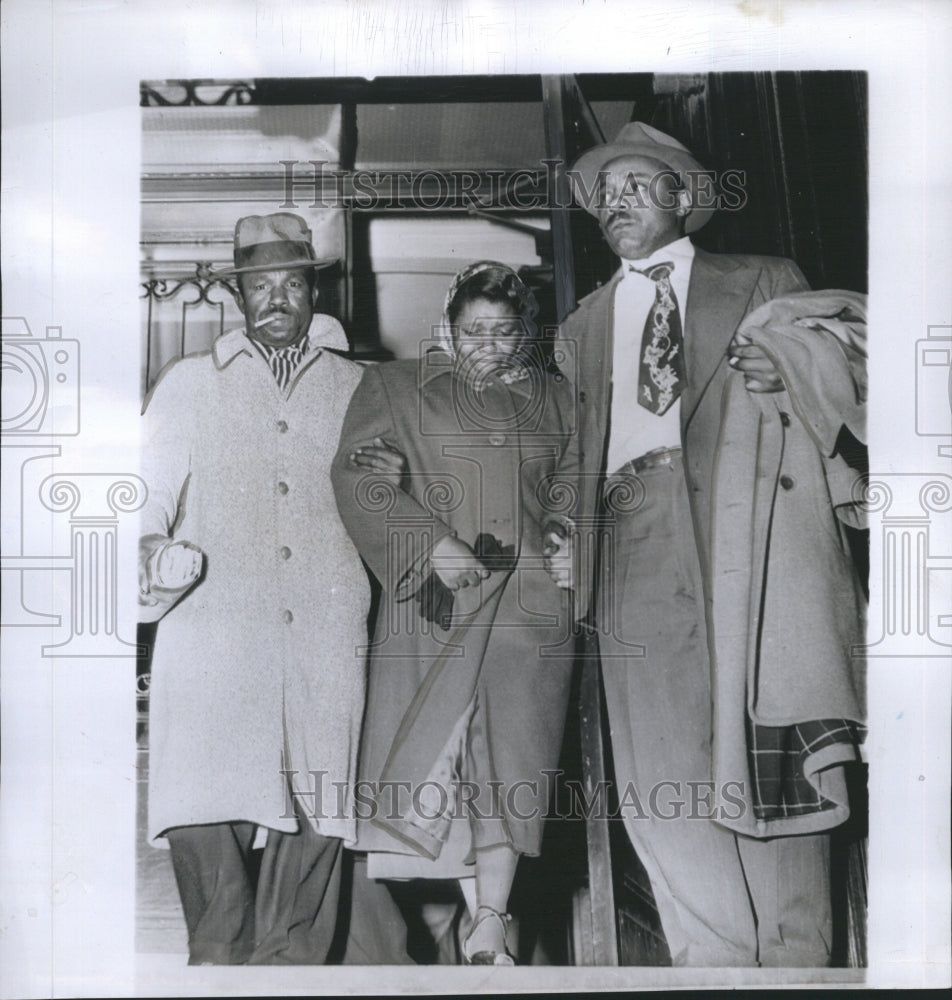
[661,372]
[283,361]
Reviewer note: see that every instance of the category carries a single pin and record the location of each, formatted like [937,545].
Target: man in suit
[704,468]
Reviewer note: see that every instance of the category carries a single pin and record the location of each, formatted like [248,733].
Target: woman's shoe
[487,957]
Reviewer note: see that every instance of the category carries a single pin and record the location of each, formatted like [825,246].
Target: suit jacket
[802,620]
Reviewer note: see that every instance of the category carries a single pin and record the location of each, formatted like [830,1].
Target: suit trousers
[723,899]
[310,904]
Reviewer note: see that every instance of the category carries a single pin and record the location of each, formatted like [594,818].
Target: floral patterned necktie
[661,372]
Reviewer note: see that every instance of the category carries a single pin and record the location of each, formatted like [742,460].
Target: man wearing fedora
[728,603]
[257,676]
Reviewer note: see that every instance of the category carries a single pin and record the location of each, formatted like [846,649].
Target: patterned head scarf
[514,367]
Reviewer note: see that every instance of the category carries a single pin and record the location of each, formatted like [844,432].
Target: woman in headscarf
[471,663]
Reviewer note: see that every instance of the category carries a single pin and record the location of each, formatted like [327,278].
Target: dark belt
[650,460]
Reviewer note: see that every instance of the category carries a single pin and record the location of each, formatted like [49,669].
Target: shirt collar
[324,331]
[680,253]
[295,351]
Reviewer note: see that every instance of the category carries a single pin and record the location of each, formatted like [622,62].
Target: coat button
[785,419]
[581,397]
[497,439]
[285,552]
[282,426]
[787,482]
[283,488]
[287,617]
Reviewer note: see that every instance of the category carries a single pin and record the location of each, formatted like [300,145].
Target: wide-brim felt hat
[639,139]
[278,242]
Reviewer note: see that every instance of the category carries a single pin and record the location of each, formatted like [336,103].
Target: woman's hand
[455,564]
[559,558]
[436,602]
[760,374]
[381,457]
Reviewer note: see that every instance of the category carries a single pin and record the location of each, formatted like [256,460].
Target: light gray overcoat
[258,669]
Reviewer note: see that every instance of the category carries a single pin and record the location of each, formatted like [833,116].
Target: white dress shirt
[635,429]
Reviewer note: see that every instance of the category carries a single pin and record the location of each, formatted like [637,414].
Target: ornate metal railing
[196,291]
[195,93]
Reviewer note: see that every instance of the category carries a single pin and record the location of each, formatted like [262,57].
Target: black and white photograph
[476,493]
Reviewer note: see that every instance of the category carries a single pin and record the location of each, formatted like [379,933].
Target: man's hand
[758,370]
[175,566]
[379,456]
[455,564]
[559,558]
